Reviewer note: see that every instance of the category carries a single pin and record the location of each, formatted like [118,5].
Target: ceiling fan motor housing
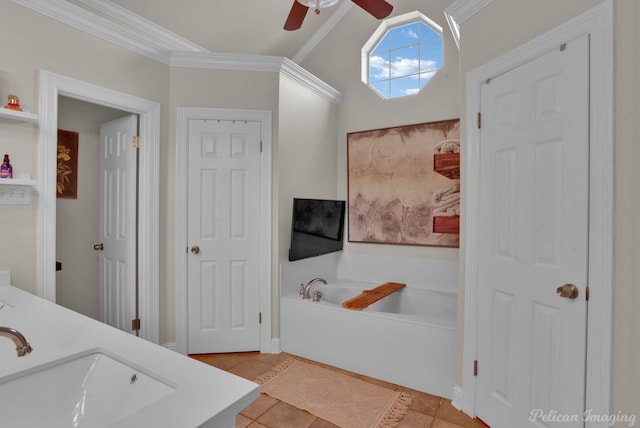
[318,4]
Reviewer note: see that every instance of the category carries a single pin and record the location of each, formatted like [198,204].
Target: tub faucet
[307,288]
[22,346]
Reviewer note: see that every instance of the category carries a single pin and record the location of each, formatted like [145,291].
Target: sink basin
[92,389]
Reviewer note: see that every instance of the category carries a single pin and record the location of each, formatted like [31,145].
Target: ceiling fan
[378,8]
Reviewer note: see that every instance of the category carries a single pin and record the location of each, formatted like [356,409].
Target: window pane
[404,86]
[382,88]
[379,67]
[405,62]
[427,33]
[405,35]
[404,59]
[430,57]
[383,46]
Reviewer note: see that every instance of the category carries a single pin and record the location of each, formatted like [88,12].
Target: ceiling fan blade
[296,16]
[378,8]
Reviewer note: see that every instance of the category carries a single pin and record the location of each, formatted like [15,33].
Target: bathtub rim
[408,318]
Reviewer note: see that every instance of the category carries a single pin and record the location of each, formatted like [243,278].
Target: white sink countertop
[203,396]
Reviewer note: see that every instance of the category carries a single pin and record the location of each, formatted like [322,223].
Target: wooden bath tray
[368,297]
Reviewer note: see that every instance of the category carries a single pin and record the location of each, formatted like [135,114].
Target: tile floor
[427,411]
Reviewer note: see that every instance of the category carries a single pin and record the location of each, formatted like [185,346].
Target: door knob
[569,291]
[195,250]
[98,247]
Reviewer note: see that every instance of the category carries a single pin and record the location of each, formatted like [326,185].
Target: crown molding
[225,61]
[124,16]
[141,36]
[91,23]
[310,81]
[459,11]
[263,63]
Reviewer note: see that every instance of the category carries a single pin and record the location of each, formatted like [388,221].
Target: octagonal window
[402,56]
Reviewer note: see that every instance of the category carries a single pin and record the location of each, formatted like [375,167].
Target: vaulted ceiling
[238,26]
[156,28]
[224,34]
[168,29]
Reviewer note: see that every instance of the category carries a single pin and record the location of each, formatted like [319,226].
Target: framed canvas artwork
[67,165]
[404,184]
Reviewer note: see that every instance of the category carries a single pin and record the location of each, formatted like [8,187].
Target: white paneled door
[223,233]
[117,247]
[533,246]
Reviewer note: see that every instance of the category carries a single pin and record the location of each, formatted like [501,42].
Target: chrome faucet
[22,346]
[305,290]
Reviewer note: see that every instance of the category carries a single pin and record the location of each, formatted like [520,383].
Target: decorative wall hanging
[67,171]
[404,184]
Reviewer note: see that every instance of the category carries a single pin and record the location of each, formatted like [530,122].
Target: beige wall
[501,26]
[483,40]
[626,337]
[33,42]
[306,163]
[303,154]
[216,89]
[83,57]
[77,220]
[362,109]
[498,28]
[306,153]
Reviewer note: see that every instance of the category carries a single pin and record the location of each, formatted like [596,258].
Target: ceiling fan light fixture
[318,4]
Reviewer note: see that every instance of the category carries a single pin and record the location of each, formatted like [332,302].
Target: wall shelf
[22,116]
[449,225]
[447,164]
[17,182]
[16,191]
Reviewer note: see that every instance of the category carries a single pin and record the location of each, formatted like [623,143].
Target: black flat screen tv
[316,227]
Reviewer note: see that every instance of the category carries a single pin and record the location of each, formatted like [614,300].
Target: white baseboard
[275,346]
[456,401]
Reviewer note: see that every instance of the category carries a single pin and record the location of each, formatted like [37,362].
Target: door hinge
[475,368]
[259,317]
[135,324]
[136,141]
[586,293]
[479,120]
[260,146]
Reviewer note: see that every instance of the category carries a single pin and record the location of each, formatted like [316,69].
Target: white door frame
[182,191]
[53,85]
[598,22]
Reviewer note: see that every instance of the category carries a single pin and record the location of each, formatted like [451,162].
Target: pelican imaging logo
[588,416]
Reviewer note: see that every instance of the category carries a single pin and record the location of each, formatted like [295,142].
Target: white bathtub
[407,338]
